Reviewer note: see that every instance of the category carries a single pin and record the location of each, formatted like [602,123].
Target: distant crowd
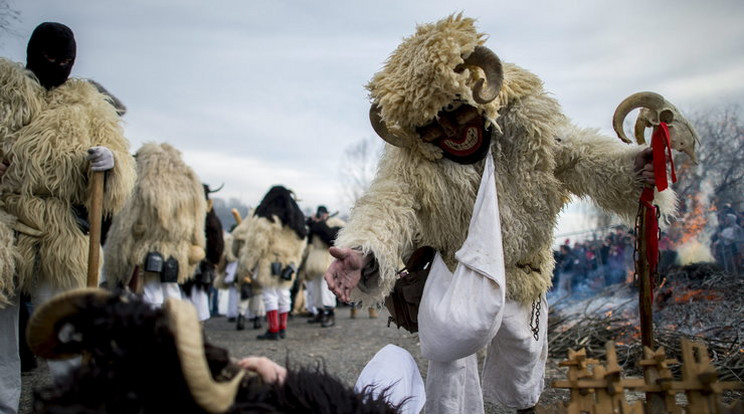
[590,265]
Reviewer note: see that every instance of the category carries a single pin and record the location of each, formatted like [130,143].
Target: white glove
[101,159]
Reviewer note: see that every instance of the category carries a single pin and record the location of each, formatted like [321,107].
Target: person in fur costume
[55,132]
[250,304]
[441,121]
[322,231]
[157,240]
[141,359]
[199,288]
[226,280]
[271,253]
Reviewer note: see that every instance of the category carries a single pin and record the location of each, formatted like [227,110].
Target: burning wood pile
[697,301]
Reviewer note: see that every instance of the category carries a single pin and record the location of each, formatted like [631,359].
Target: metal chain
[636,254]
[535,318]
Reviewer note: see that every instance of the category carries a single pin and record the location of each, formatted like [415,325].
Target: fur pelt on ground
[541,159]
[132,366]
[269,241]
[165,214]
[45,136]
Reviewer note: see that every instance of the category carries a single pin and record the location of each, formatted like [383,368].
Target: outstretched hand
[644,166]
[344,272]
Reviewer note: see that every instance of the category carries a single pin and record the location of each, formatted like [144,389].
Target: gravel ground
[344,349]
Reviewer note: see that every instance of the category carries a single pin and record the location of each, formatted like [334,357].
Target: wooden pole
[644,285]
[95,215]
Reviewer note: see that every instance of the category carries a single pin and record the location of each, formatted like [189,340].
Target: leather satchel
[403,302]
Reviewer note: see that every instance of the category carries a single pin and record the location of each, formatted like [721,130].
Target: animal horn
[375,118]
[236,215]
[650,100]
[214,397]
[485,59]
[210,191]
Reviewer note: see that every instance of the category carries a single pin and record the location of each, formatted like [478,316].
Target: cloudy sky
[257,93]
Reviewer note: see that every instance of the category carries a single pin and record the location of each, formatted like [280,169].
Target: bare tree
[720,173]
[8,15]
[358,167]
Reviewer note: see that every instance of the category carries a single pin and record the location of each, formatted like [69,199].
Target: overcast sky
[257,93]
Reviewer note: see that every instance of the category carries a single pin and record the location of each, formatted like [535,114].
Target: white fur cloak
[45,136]
[419,198]
[165,214]
[317,258]
[267,241]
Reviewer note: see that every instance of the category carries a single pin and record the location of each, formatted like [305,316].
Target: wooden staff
[95,215]
[644,283]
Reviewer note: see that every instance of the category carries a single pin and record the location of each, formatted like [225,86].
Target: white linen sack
[460,313]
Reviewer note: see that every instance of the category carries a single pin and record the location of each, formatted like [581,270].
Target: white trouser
[322,297]
[233,297]
[200,299]
[252,307]
[514,369]
[10,359]
[513,372]
[453,387]
[155,292]
[276,298]
[58,368]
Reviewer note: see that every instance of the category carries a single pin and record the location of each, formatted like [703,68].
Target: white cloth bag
[460,313]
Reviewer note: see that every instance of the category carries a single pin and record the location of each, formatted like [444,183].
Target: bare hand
[268,370]
[644,166]
[345,272]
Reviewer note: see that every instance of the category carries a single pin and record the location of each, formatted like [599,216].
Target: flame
[693,221]
[695,295]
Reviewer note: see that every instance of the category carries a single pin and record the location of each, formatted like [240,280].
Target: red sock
[283,320]
[273,319]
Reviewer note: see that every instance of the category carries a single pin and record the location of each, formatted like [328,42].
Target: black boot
[530,410]
[329,318]
[241,323]
[282,333]
[257,322]
[317,319]
[273,336]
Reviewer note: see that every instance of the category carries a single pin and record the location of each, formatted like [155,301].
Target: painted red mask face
[460,132]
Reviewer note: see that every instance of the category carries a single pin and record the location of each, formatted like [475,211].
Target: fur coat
[419,198]
[317,258]
[165,214]
[266,241]
[44,136]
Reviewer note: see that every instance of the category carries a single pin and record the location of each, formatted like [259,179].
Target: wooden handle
[95,214]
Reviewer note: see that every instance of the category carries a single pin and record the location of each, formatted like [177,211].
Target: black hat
[321,210]
[50,53]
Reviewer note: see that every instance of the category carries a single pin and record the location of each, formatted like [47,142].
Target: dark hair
[278,202]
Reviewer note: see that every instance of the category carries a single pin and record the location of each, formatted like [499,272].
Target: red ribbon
[661,149]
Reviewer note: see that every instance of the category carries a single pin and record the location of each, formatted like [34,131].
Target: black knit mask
[51,53]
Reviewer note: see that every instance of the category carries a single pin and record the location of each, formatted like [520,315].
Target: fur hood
[417,80]
[165,214]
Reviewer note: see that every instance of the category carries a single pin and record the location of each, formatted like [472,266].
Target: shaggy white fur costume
[265,242]
[165,214]
[45,135]
[419,198]
[318,259]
